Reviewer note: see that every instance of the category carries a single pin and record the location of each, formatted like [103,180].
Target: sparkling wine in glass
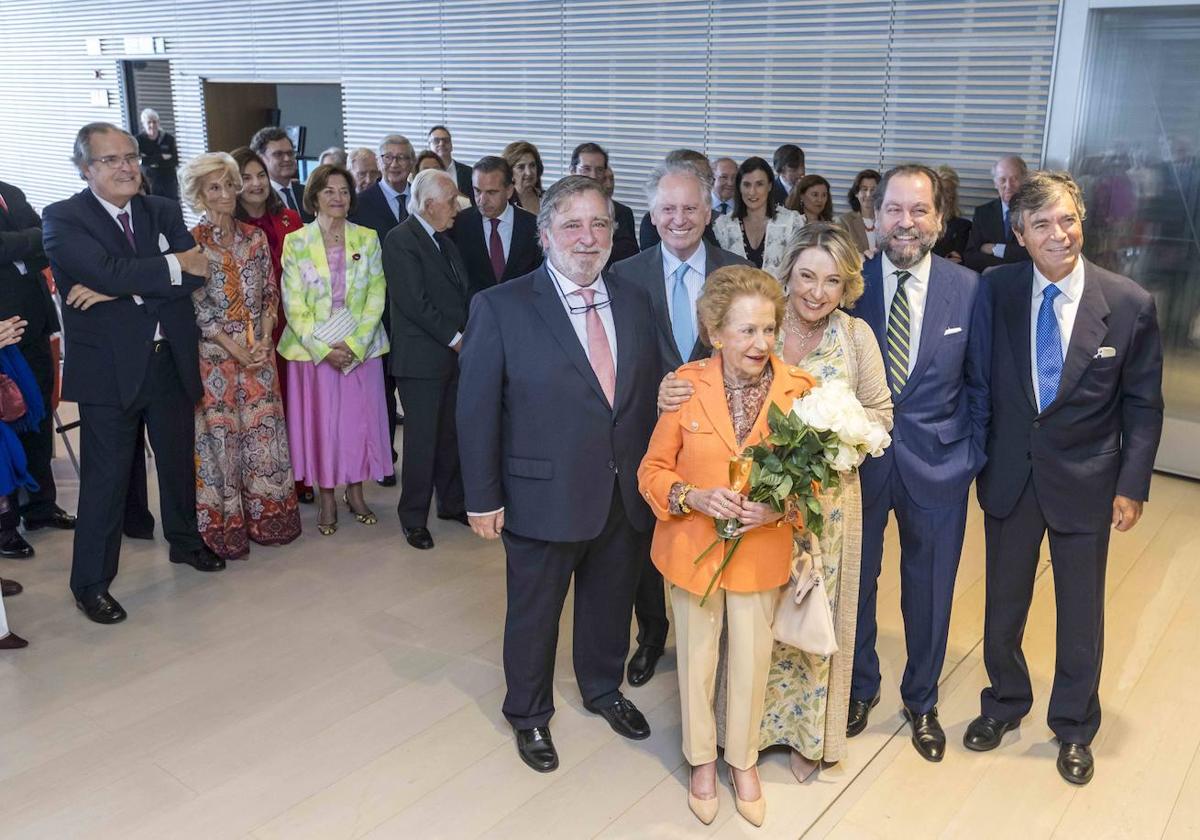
[739,478]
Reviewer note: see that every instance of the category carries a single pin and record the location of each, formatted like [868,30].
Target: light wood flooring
[350,687]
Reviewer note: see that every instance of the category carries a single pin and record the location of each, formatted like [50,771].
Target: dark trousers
[606,571]
[138,518]
[393,413]
[108,440]
[650,605]
[1078,562]
[39,443]
[931,541]
[430,456]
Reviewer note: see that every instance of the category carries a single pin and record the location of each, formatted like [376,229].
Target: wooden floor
[351,686]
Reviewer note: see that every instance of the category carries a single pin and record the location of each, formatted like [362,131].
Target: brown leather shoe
[9,588]
[13,642]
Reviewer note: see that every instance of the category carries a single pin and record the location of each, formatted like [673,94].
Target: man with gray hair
[1076,380]
[160,156]
[672,273]
[991,241]
[364,168]
[559,373]
[428,290]
[381,207]
[648,234]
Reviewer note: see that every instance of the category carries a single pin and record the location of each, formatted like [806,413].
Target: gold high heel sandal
[368,518]
[328,529]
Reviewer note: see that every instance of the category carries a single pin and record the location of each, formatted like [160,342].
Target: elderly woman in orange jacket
[685,479]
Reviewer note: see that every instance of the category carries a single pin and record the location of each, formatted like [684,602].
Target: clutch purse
[803,618]
[12,401]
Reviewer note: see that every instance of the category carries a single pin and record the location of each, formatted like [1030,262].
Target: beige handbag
[803,618]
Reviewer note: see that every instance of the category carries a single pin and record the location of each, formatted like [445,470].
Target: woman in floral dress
[244,486]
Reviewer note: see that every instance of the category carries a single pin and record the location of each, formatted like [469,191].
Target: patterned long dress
[244,486]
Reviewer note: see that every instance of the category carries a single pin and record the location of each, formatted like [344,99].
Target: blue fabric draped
[14,366]
[13,467]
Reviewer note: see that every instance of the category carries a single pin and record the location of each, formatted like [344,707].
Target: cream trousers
[697,642]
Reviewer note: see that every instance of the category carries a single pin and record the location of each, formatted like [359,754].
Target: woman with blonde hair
[685,479]
[244,487]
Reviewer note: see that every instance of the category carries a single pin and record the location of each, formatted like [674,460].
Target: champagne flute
[739,478]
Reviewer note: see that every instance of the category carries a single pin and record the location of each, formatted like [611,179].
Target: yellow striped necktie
[897,336]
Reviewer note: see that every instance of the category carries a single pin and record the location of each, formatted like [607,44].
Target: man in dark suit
[724,185]
[932,322]
[497,240]
[991,241]
[442,145]
[559,427]
[788,163]
[591,160]
[381,207]
[274,146]
[126,267]
[672,274]
[648,233]
[1077,413]
[427,293]
[24,293]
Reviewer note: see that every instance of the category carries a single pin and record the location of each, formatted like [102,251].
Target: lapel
[870,305]
[711,394]
[627,342]
[550,309]
[107,226]
[144,232]
[434,254]
[314,246]
[658,297]
[517,247]
[1016,317]
[1091,325]
[933,325]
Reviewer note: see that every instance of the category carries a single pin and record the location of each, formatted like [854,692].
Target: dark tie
[1049,348]
[898,336]
[123,218]
[1007,227]
[496,250]
[443,242]
[288,198]
[401,207]
[723,208]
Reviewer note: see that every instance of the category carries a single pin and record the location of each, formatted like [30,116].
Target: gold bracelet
[682,497]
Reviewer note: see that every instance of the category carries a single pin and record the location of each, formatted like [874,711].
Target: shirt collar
[696,261]
[279,187]
[1071,286]
[919,272]
[717,201]
[389,192]
[428,227]
[506,218]
[111,208]
[568,285]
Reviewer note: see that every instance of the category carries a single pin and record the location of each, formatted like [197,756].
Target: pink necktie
[599,351]
[496,250]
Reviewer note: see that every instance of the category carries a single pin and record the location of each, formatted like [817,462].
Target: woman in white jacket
[757,229]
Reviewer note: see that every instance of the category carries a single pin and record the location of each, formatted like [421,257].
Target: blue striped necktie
[1049,348]
[898,336]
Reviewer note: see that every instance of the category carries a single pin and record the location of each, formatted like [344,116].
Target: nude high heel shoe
[802,768]
[753,812]
[704,809]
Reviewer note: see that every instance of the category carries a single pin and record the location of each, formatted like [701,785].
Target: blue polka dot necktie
[1049,348]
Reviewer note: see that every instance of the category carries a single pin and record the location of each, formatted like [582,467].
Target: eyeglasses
[388,160]
[115,161]
[280,155]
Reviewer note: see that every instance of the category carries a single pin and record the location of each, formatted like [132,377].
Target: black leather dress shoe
[1075,763]
[624,718]
[138,534]
[13,642]
[456,517]
[387,481]
[984,733]
[641,664]
[418,538]
[536,749]
[102,608]
[927,734]
[860,710]
[202,559]
[9,588]
[14,547]
[59,519]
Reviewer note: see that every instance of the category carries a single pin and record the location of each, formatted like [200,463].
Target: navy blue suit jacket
[544,443]
[373,210]
[108,346]
[940,417]
[524,250]
[1100,436]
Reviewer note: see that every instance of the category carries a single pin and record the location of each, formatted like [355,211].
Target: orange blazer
[694,445]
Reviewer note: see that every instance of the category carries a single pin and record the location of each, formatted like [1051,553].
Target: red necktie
[599,350]
[3,204]
[496,250]
[123,218]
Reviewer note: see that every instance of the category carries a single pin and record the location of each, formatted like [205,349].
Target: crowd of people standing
[271,351]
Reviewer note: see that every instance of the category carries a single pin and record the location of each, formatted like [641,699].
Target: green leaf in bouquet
[785,487]
[814,504]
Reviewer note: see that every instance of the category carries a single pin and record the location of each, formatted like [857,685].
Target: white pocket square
[952,331]
[1105,353]
[163,245]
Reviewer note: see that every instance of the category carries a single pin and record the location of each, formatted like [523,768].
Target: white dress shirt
[172,261]
[916,288]
[433,235]
[1066,306]
[998,247]
[693,279]
[505,227]
[394,199]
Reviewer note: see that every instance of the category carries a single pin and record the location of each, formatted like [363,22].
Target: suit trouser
[1078,562]
[697,642]
[931,542]
[650,604]
[539,573]
[39,443]
[137,498]
[108,440]
[430,456]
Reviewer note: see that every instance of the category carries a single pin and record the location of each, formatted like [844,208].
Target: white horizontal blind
[855,83]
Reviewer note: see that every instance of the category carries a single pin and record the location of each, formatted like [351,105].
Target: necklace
[790,323]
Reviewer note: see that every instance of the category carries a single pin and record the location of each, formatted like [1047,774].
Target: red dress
[276,227]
